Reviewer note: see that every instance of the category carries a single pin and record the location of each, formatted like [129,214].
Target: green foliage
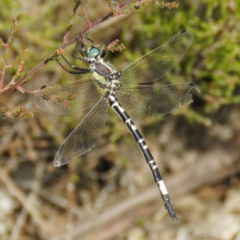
[212,61]
[17,112]
[115,46]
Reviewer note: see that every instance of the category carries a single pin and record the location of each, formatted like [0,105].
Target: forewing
[85,136]
[147,102]
[154,65]
[67,98]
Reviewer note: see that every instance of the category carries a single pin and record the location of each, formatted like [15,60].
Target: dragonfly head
[93,54]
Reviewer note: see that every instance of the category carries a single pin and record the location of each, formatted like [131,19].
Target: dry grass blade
[26,202]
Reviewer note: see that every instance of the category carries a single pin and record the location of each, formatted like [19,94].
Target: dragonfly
[131,92]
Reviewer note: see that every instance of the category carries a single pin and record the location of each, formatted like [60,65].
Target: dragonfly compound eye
[93,53]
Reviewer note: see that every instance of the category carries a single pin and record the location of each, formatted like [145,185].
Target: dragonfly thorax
[105,75]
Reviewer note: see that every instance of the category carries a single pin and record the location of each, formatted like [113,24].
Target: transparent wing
[67,98]
[145,103]
[154,65]
[85,136]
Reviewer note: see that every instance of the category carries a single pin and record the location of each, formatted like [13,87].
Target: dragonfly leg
[77,69]
[103,53]
[79,48]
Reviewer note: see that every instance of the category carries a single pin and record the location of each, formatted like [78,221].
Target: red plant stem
[64,45]
[22,79]
[66,36]
[4,67]
[24,90]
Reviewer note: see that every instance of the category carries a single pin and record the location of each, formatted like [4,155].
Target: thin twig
[26,202]
[8,137]
[24,90]
[66,36]
[4,67]
[15,234]
[35,188]
[64,45]
[6,46]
